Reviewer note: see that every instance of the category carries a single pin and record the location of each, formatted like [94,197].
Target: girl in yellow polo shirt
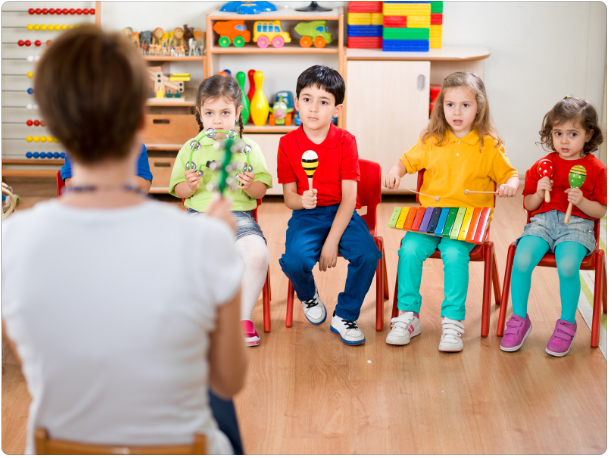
[459,150]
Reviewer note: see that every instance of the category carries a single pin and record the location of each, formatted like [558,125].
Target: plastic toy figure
[280,112]
[266,31]
[248,7]
[232,32]
[315,31]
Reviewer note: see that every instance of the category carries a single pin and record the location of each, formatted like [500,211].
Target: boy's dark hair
[322,77]
[91,87]
[214,87]
[577,111]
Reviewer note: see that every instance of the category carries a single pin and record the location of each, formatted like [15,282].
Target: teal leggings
[530,250]
[415,249]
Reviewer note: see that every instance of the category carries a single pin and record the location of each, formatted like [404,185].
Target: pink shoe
[517,330]
[250,334]
[562,338]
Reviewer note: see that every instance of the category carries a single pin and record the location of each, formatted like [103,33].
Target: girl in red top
[571,130]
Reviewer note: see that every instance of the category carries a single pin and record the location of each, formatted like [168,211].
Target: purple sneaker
[517,330]
[562,338]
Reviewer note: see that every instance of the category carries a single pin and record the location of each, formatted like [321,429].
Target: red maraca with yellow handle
[577,177]
[310,162]
[546,169]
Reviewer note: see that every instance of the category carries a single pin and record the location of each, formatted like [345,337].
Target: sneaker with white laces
[404,327]
[314,309]
[348,330]
[451,340]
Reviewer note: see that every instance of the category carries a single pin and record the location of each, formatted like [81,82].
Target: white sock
[254,253]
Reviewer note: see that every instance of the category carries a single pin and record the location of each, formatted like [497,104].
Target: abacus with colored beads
[468,224]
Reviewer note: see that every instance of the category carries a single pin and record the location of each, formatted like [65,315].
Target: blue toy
[29,155]
[247,7]
[30,91]
[297,121]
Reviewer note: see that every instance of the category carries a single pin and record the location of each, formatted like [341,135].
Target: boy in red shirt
[324,221]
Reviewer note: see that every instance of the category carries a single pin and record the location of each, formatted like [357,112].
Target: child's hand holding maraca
[544,184]
[192,178]
[574,196]
[309,199]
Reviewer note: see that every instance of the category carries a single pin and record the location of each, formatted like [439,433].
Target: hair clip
[567,97]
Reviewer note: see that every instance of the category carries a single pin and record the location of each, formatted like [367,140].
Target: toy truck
[313,32]
[265,32]
[280,112]
[232,32]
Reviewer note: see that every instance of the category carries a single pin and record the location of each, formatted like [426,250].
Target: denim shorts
[550,227]
[245,224]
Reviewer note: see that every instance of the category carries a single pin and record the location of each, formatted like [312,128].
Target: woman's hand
[192,178]
[220,208]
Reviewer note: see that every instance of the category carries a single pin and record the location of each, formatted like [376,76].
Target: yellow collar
[471,138]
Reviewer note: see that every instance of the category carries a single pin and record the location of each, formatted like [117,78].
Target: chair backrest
[47,446]
[595,228]
[59,183]
[369,191]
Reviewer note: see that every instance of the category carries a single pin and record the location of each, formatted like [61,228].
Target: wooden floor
[307,393]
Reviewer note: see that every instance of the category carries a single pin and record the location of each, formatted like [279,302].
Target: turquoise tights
[530,250]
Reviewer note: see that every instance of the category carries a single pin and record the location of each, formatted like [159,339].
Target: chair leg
[486,296]
[266,302]
[495,277]
[384,266]
[379,288]
[506,290]
[597,298]
[290,293]
[269,285]
[604,296]
[395,310]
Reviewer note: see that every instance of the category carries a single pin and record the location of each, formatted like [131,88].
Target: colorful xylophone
[469,224]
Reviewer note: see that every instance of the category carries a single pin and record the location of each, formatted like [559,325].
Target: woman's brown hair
[92,86]
[437,128]
[214,87]
[577,111]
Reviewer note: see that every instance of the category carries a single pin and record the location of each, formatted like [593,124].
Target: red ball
[48,42]
[65,11]
[43,123]
[85,11]
[31,10]
[51,11]
[79,11]
[28,42]
[37,43]
[72,11]
[29,122]
[21,42]
[58,11]
[45,11]
[36,123]
[38,11]
[92,11]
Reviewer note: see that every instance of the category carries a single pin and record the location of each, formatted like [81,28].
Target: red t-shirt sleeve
[600,193]
[283,168]
[349,169]
[531,180]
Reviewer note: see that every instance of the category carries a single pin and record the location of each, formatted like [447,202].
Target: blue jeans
[224,413]
[306,234]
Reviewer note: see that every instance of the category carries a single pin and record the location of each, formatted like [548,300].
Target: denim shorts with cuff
[245,223]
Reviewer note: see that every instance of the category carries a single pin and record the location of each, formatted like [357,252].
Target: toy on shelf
[412,26]
[225,72]
[265,32]
[297,121]
[546,169]
[577,177]
[259,105]
[247,7]
[313,7]
[162,84]
[313,32]
[232,32]
[246,106]
[177,43]
[251,85]
[280,112]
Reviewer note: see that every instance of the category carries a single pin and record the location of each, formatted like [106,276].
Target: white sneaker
[348,330]
[451,340]
[314,309]
[404,327]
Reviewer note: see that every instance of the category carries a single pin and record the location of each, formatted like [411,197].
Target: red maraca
[546,169]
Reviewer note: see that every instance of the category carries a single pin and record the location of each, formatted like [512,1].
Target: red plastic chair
[484,252]
[594,261]
[267,297]
[370,194]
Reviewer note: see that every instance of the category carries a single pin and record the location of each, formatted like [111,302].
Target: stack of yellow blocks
[365,19]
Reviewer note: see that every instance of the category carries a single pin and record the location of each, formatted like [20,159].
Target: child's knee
[412,250]
[523,262]
[452,256]
[568,267]
[293,263]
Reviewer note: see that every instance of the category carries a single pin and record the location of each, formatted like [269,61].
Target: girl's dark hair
[214,87]
[322,77]
[577,111]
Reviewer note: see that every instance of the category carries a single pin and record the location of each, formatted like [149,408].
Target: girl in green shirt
[218,106]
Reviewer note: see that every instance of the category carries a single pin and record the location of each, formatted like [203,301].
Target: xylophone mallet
[577,177]
[467,191]
[310,162]
[546,169]
[436,198]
